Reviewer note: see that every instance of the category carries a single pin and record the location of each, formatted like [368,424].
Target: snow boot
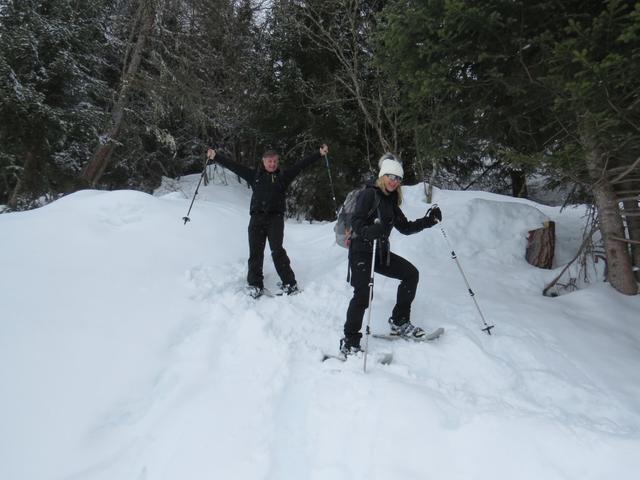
[290,289]
[348,348]
[406,329]
[255,292]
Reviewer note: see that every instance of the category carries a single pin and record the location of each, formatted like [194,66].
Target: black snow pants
[263,227]
[398,268]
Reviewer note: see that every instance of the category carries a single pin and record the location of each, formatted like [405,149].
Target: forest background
[493,95]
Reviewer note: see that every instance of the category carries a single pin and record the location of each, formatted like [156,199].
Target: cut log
[541,244]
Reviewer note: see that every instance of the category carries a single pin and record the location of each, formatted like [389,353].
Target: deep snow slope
[129,351]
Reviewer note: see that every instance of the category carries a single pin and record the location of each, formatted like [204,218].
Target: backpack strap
[376,206]
[376,203]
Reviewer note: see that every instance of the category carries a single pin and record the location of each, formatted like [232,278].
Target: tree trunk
[633,227]
[428,188]
[143,26]
[435,164]
[518,184]
[610,223]
[28,180]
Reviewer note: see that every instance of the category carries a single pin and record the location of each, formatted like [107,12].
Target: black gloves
[433,216]
[373,231]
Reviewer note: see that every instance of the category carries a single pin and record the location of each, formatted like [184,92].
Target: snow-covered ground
[129,351]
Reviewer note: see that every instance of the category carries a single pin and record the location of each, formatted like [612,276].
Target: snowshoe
[385,358]
[257,292]
[424,338]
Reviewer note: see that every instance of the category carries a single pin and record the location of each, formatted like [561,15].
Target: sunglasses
[391,176]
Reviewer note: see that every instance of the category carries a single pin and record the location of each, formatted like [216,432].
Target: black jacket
[389,214]
[268,188]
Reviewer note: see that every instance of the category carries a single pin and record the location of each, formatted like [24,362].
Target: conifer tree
[550,84]
[52,93]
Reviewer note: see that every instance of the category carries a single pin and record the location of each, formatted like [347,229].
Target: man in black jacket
[269,185]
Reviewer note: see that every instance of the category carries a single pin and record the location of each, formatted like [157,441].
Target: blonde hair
[380,185]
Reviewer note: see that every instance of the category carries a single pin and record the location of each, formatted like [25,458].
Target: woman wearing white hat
[377,212]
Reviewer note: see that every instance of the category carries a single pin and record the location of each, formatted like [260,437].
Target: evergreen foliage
[53,66]
[504,85]
[484,94]
[528,86]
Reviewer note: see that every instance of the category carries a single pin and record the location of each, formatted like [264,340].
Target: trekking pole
[333,192]
[487,328]
[204,171]
[368,330]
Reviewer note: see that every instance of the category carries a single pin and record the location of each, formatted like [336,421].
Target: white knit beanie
[389,164]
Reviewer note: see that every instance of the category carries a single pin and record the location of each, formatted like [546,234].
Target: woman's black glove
[373,231]
[433,216]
